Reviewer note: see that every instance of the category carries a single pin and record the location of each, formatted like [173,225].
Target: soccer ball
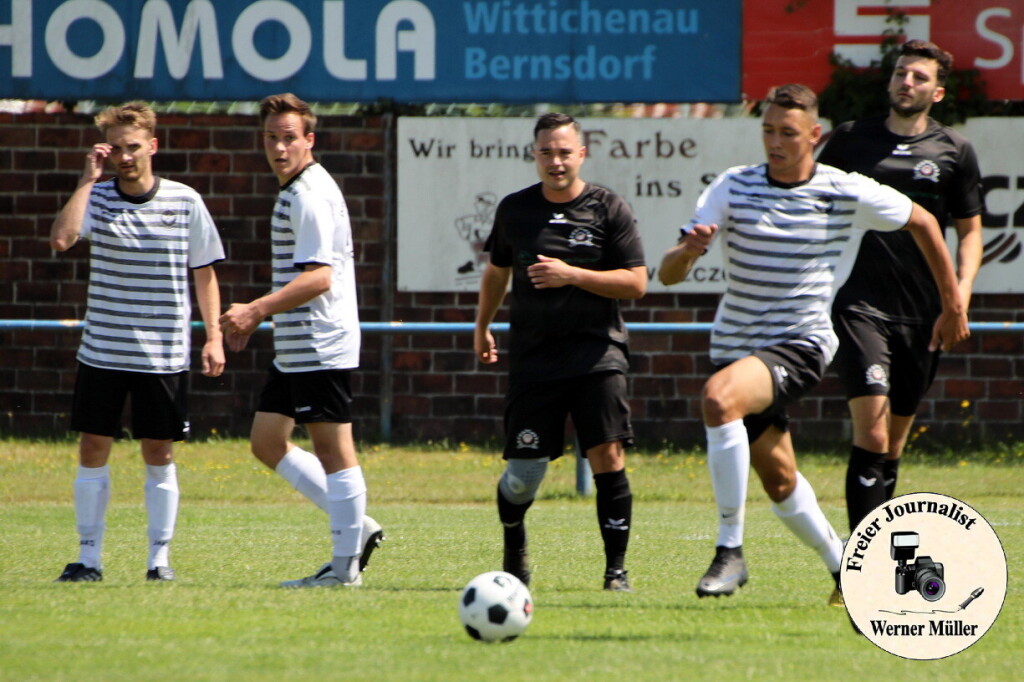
[495,607]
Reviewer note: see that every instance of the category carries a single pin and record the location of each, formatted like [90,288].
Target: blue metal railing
[584,483]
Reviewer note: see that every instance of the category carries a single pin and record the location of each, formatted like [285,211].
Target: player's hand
[484,346]
[698,240]
[237,342]
[213,359]
[94,161]
[950,329]
[241,319]
[550,273]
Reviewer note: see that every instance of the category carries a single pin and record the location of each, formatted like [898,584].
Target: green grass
[242,529]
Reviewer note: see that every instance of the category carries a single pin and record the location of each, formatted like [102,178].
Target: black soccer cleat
[161,573]
[727,573]
[616,580]
[373,535]
[517,562]
[80,573]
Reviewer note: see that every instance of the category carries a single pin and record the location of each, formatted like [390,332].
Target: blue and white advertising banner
[366,50]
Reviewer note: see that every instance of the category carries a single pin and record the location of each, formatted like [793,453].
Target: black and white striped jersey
[787,249]
[141,251]
[310,224]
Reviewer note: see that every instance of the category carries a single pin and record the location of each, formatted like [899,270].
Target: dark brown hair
[285,103]
[553,120]
[922,48]
[793,96]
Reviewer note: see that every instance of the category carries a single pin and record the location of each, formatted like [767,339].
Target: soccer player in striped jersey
[146,233]
[316,342]
[791,230]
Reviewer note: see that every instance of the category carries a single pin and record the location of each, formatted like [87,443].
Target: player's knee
[716,405]
[778,485]
[521,479]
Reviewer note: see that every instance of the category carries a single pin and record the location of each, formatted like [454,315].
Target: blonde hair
[135,114]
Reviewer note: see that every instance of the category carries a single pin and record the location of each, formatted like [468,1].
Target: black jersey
[564,331]
[939,170]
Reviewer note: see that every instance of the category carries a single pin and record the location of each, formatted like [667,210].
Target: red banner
[787,41]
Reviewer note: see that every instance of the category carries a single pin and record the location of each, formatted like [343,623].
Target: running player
[791,230]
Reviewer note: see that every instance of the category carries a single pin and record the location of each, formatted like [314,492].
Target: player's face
[288,147]
[789,137]
[914,85]
[559,154]
[131,153]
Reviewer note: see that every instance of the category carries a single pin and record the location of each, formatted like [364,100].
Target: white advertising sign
[453,171]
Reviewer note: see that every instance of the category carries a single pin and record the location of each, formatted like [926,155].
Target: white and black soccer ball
[495,607]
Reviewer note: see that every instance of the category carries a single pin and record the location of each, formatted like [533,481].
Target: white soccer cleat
[325,577]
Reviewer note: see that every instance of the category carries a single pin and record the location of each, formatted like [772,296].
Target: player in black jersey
[884,313]
[571,250]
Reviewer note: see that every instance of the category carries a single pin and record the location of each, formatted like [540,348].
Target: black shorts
[535,414]
[796,369]
[877,357]
[323,395]
[159,403]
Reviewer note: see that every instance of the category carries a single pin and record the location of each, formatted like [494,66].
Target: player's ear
[815,134]
[153,145]
[939,93]
[583,153]
[310,139]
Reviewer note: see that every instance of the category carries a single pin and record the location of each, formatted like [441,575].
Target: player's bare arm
[623,283]
[677,261]
[951,326]
[493,286]
[968,255]
[68,225]
[208,296]
[243,318]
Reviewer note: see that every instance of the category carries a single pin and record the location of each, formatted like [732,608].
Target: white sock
[305,473]
[346,505]
[92,494]
[801,513]
[162,506]
[729,463]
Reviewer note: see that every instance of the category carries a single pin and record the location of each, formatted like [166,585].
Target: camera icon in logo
[924,575]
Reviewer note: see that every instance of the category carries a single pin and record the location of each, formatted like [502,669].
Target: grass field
[242,529]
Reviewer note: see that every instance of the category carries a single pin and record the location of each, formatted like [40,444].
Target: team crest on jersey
[902,150]
[168,217]
[876,375]
[823,204]
[558,219]
[581,236]
[926,170]
[527,439]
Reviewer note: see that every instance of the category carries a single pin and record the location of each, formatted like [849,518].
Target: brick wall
[437,390]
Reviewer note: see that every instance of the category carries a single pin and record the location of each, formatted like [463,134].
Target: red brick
[61,137]
[364,141]
[17,136]
[209,163]
[183,139]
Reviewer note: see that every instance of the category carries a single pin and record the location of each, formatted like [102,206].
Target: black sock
[890,472]
[511,516]
[865,487]
[614,515]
